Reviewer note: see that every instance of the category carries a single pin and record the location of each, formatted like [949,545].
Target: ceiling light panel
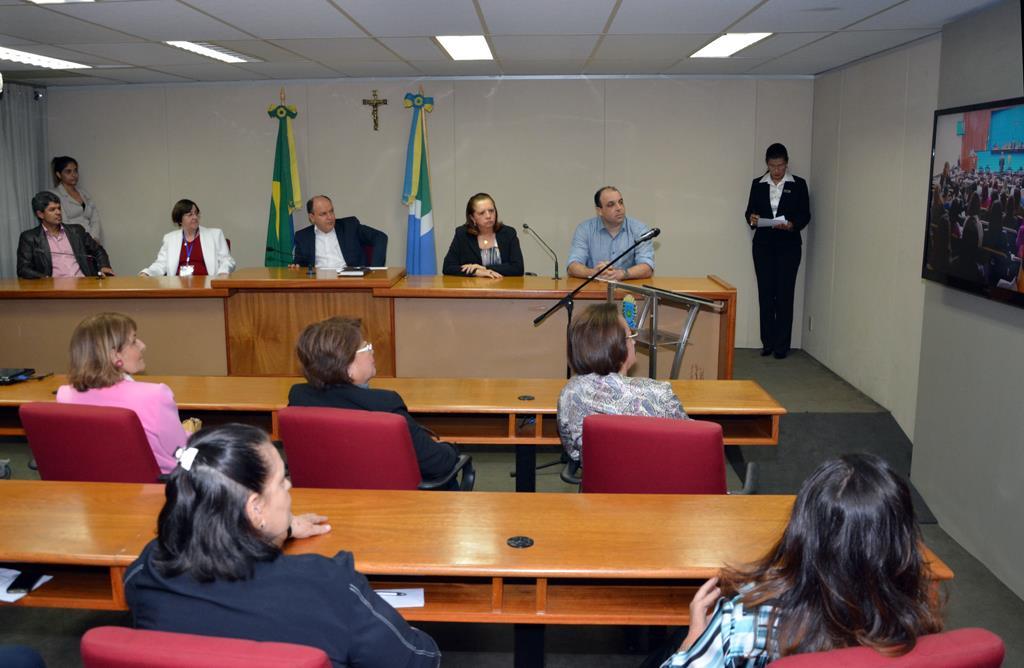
[466,47]
[730,43]
[36,60]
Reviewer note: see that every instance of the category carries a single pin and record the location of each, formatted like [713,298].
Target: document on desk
[7,576]
[402,598]
[771,222]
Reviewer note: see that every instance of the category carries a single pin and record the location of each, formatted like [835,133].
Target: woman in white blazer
[180,255]
[77,205]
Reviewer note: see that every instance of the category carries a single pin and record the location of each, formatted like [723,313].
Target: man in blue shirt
[603,237]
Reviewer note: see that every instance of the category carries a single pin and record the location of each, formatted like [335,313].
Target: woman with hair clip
[847,571]
[217,568]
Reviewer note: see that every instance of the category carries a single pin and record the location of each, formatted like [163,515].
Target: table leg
[526,468]
[747,471]
[529,646]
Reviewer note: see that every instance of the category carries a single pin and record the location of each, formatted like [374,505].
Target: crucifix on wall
[375,102]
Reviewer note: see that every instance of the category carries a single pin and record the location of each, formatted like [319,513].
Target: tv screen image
[974,235]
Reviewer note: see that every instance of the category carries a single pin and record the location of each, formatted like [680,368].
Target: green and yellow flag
[285,193]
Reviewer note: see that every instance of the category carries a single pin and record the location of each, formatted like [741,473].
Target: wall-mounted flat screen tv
[974,237]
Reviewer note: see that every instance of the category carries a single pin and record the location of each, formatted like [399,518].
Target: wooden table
[622,559]
[478,411]
[596,559]
[422,326]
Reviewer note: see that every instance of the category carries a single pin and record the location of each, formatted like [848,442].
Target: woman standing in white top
[77,205]
[192,250]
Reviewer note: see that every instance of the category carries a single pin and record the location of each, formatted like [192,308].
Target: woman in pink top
[105,351]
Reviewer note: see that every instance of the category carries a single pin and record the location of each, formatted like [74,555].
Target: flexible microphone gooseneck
[544,244]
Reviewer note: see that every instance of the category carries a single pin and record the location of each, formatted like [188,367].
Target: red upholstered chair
[119,647]
[88,443]
[962,648]
[644,455]
[350,449]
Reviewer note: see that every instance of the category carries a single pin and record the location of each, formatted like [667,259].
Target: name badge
[186,270]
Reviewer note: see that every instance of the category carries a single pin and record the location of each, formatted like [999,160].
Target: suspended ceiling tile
[256,48]
[404,18]
[141,54]
[291,19]
[543,47]
[638,17]
[293,70]
[546,17]
[639,47]
[393,68]
[780,44]
[141,75]
[922,14]
[42,25]
[152,19]
[839,49]
[212,72]
[415,48]
[340,50]
[808,15]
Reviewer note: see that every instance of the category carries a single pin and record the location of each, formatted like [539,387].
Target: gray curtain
[24,168]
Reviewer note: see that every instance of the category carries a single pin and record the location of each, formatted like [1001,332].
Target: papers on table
[771,222]
[402,598]
[7,576]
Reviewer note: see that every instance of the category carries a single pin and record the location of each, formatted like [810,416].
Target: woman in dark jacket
[216,567]
[484,246]
[338,365]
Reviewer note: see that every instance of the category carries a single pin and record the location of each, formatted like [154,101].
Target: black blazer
[34,259]
[352,236]
[465,250]
[795,205]
[435,458]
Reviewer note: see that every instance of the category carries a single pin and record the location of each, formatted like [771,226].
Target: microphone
[650,234]
[552,253]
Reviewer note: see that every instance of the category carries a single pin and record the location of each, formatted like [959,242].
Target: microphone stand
[567,300]
[544,244]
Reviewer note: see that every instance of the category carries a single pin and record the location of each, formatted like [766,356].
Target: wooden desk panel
[267,309]
[596,559]
[492,321]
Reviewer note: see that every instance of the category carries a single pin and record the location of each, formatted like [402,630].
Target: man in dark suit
[781,199]
[335,243]
[55,249]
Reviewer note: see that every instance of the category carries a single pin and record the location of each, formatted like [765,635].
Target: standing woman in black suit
[781,199]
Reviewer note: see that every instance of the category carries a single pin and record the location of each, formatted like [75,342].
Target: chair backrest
[644,455]
[376,253]
[348,449]
[88,443]
[120,647]
[962,648]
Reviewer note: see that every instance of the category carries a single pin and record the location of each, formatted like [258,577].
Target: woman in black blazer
[483,246]
[777,249]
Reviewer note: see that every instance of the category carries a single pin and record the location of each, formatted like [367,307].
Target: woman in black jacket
[484,246]
[781,199]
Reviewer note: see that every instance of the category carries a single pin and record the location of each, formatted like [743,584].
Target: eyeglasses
[368,348]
